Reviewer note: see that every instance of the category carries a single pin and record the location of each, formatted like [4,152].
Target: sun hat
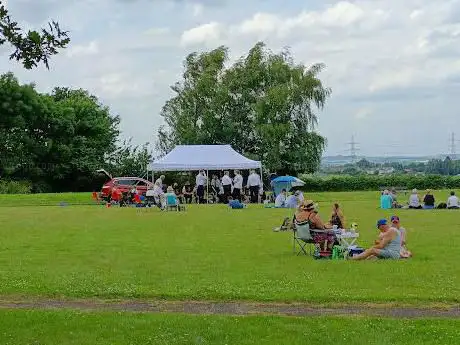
[309,205]
[381,222]
[414,190]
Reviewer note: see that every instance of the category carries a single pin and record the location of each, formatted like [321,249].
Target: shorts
[387,254]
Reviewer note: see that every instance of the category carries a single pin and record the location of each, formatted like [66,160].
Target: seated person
[178,192]
[280,200]
[452,202]
[388,247]
[386,202]
[414,200]
[405,253]
[171,197]
[293,201]
[308,214]
[337,217]
[428,200]
[150,195]
[187,192]
[234,203]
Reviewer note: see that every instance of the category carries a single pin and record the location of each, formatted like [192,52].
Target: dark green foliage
[341,183]
[57,141]
[264,105]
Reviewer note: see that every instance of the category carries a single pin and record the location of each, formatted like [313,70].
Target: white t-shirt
[226,180]
[414,200]
[452,201]
[280,200]
[201,180]
[300,197]
[253,180]
[238,182]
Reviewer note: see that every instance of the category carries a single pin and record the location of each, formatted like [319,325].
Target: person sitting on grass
[235,203]
[405,253]
[387,247]
[414,200]
[280,200]
[452,202]
[428,200]
[337,217]
[293,200]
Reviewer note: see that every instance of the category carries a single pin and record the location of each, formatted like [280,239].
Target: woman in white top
[452,202]
[414,200]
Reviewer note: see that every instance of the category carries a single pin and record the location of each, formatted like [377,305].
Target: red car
[125,184]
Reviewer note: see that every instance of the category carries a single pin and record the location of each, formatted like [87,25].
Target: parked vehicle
[124,184]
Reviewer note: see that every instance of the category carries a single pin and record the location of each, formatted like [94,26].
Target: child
[235,204]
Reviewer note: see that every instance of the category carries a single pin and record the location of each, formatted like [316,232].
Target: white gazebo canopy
[203,157]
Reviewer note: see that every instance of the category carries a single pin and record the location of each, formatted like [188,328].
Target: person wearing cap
[428,200]
[388,247]
[404,253]
[414,200]
[307,213]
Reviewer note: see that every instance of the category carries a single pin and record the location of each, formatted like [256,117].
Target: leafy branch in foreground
[32,47]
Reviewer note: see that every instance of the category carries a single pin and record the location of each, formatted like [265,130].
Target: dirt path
[232,308]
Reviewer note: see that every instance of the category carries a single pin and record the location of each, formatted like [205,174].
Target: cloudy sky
[393,65]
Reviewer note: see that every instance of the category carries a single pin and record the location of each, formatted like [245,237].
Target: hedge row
[345,183]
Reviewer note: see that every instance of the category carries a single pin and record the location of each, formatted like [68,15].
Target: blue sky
[393,65]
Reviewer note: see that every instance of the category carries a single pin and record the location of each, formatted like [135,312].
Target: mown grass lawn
[212,252]
[70,327]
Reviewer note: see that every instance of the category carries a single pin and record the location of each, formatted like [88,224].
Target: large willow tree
[264,105]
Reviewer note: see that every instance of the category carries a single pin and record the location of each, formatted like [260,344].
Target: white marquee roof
[206,157]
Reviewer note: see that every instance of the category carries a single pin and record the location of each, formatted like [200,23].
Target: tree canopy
[31,47]
[264,105]
[57,141]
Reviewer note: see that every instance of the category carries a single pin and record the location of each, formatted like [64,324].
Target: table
[347,239]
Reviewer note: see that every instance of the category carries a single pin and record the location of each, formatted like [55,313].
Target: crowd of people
[389,200]
[217,190]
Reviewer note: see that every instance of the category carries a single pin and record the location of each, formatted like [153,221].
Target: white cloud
[197,10]
[92,48]
[206,34]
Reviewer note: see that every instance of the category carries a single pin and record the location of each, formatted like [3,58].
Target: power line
[452,145]
[353,149]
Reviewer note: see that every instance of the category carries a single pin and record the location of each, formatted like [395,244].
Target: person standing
[160,180]
[254,184]
[237,185]
[216,188]
[201,181]
[226,185]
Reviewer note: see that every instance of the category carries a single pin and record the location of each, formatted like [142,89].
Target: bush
[344,183]
[15,187]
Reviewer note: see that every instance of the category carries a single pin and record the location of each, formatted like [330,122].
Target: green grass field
[66,327]
[211,252]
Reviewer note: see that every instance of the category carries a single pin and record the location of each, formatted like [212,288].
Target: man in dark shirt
[428,200]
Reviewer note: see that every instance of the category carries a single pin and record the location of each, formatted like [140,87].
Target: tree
[33,47]
[56,141]
[129,160]
[264,105]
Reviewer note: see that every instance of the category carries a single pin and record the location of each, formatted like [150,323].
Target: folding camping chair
[302,237]
[172,204]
